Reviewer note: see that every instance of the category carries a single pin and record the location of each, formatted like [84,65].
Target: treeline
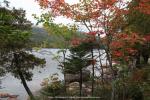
[43,39]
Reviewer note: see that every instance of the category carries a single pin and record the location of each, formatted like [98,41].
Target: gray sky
[32,7]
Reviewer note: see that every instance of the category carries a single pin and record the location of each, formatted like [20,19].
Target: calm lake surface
[13,86]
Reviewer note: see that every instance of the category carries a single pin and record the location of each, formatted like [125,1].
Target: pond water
[13,86]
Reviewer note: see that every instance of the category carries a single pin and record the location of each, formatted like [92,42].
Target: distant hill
[41,38]
[39,34]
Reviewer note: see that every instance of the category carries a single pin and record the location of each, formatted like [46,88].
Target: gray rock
[76,77]
[74,88]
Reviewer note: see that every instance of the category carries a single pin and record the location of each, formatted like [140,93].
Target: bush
[52,86]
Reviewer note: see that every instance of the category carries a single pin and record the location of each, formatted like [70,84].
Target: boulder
[76,77]
[74,89]
[74,85]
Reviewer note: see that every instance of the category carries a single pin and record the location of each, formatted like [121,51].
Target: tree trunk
[113,73]
[138,60]
[16,59]
[92,73]
[80,83]
[145,57]
[101,66]
[64,57]
[25,85]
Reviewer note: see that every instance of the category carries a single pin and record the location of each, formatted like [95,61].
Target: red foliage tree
[101,18]
[123,46]
[144,6]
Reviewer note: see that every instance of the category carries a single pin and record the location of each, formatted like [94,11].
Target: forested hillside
[42,38]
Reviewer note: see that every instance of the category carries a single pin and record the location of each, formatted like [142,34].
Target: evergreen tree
[15,49]
[77,60]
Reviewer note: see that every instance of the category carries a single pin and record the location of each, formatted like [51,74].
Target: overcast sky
[32,7]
